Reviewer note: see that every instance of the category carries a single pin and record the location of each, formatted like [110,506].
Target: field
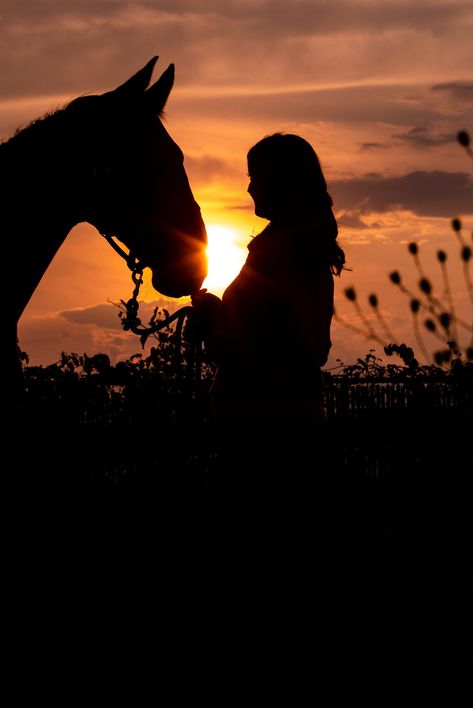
[141,570]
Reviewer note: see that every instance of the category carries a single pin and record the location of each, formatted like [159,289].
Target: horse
[107,160]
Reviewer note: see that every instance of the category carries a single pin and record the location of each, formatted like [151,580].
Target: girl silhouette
[269,336]
[270,333]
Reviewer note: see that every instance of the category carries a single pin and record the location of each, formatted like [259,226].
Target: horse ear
[157,95]
[139,82]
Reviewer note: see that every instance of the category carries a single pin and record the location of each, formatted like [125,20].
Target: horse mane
[49,121]
[36,135]
[18,151]
[31,129]
[40,127]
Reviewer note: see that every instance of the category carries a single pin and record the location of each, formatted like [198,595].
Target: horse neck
[37,212]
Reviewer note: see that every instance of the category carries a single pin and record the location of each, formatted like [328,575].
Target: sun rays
[225,257]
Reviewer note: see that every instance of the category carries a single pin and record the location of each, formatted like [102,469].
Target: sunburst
[225,257]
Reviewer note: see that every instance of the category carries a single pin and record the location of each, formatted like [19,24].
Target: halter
[131,260]
[131,321]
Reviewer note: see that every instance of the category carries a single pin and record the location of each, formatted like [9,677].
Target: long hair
[293,166]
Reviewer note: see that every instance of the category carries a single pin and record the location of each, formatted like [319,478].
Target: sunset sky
[380,88]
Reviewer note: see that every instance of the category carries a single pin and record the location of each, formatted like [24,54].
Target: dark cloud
[419,137]
[107,315]
[100,315]
[433,193]
[351,220]
[375,146]
[423,137]
[45,338]
[459,90]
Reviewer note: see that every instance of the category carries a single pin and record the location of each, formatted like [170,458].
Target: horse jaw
[174,290]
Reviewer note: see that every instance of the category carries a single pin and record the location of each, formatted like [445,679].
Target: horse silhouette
[107,160]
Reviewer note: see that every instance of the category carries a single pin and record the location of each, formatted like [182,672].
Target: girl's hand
[198,297]
[205,304]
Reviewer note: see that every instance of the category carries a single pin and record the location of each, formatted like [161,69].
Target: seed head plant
[430,312]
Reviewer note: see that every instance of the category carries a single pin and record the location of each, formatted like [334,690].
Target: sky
[380,88]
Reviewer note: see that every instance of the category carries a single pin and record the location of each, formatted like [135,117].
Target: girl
[270,333]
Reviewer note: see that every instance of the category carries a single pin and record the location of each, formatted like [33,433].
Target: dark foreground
[170,578]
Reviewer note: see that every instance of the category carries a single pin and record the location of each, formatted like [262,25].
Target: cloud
[90,329]
[426,193]
[99,315]
[375,146]
[299,16]
[107,316]
[459,90]
[419,137]
[423,137]
[352,219]
[83,46]
[52,46]
[365,104]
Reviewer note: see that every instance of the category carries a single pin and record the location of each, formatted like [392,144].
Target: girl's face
[262,192]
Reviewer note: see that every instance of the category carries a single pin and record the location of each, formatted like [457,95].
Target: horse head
[135,183]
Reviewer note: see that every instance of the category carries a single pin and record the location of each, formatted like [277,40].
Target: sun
[224,256]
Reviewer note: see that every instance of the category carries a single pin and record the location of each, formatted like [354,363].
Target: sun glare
[225,257]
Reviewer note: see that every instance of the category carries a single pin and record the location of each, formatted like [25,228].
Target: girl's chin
[262,213]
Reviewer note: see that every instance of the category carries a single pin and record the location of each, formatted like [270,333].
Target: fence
[345,397]
[121,420]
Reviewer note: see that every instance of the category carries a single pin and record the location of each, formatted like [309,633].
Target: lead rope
[132,322]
